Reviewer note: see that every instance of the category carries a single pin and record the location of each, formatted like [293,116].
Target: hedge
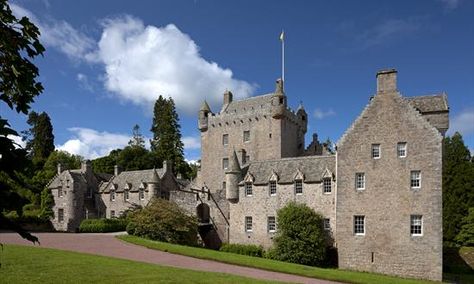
[251,250]
[102,225]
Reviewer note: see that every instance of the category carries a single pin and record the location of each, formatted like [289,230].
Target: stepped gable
[312,168]
[429,103]
[133,179]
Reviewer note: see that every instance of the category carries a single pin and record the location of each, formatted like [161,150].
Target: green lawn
[268,264]
[23,264]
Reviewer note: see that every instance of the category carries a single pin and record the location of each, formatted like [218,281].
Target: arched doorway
[202,212]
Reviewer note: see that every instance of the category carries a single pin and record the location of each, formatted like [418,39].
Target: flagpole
[283,56]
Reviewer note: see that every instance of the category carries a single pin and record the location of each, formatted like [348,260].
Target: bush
[163,221]
[300,237]
[102,225]
[252,250]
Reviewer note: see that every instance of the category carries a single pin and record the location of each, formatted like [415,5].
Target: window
[224,185]
[141,194]
[416,225]
[271,224]
[67,183]
[225,139]
[60,192]
[298,186]
[415,179]
[359,225]
[376,151]
[248,189]
[248,224]
[327,185]
[246,159]
[246,136]
[60,215]
[112,195]
[402,149]
[225,163]
[327,224]
[126,195]
[112,213]
[272,185]
[360,181]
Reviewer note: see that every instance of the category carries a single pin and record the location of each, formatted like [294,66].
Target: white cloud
[84,82]
[195,162]
[450,4]
[91,143]
[142,62]
[19,143]
[463,123]
[191,142]
[58,34]
[320,114]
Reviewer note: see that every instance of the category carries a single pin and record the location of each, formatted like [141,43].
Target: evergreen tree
[466,235]
[137,139]
[39,138]
[458,185]
[166,143]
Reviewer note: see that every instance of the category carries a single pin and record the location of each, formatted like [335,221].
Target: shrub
[252,250]
[163,221]
[102,225]
[300,237]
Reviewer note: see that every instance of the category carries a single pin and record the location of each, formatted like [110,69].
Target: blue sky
[107,61]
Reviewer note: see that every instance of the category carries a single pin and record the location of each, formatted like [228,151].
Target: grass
[268,264]
[23,264]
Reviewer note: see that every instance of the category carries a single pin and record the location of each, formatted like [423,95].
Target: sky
[107,61]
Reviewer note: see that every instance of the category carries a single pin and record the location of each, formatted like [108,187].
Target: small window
[402,149]
[298,186]
[416,225]
[415,179]
[224,185]
[272,185]
[225,139]
[141,194]
[248,189]
[359,225]
[246,159]
[60,215]
[60,192]
[376,151]
[327,224]
[126,195]
[248,224]
[112,213]
[225,163]
[360,181]
[112,195]
[327,185]
[271,224]
[246,136]
[67,183]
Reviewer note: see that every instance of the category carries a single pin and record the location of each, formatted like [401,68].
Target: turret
[203,116]
[233,175]
[153,184]
[278,100]
[302,117]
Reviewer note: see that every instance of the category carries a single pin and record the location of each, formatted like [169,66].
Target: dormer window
[298,187]
[126,195]
[112,195]
[248,189]
[141,194]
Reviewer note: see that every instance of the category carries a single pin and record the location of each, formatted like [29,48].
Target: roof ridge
[294,158]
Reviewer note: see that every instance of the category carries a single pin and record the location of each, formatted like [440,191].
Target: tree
[466,235]
[166,142]
[19,44]
[300,237]
[136,158]
[458,185]
[39,138]
[107,163]
[137,138]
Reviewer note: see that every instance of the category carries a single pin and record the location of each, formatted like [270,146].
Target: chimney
[167,166]
[117,170]
[387,81]
[227,97]
[59,168]
[86,166]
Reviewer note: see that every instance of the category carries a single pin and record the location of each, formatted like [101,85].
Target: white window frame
[416,225]
[360,181]
[359,222]
[327,185]
[272,187]
[402,146]
[298,186]
[415,179]
[376,152]
[225,139]
[248,223]
[246,136]
[225,163]
[327,224]
[271,224]
[248,189]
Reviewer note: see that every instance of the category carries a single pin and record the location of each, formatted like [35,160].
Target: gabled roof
[312,167]
[431,103]
[132,179]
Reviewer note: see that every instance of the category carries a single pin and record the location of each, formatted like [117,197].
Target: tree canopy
[39,138]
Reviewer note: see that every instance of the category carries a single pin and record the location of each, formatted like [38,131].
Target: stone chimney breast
[387,81]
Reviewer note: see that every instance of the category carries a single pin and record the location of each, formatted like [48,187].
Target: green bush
[300,237]
[252,250]
[466,235]
[31,210]
[102,225]
[163,221]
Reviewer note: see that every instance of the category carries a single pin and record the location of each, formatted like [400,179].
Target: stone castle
[379,190]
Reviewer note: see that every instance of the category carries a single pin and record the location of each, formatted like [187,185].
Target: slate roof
[312,167]
[249,104]
[132,178]
[430,103]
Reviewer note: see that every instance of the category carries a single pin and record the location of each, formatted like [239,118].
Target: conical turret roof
[205,106]
[234,163]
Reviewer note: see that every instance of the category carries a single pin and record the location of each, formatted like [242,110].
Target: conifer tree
[40,138]
[137,138]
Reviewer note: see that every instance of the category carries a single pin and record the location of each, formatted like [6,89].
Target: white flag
[282,36]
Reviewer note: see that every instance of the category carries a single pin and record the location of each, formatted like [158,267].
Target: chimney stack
[86,166]
[117,170]
[59,168]
[387,81]
[227,97]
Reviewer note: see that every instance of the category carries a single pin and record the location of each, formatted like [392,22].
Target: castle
[379,192]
